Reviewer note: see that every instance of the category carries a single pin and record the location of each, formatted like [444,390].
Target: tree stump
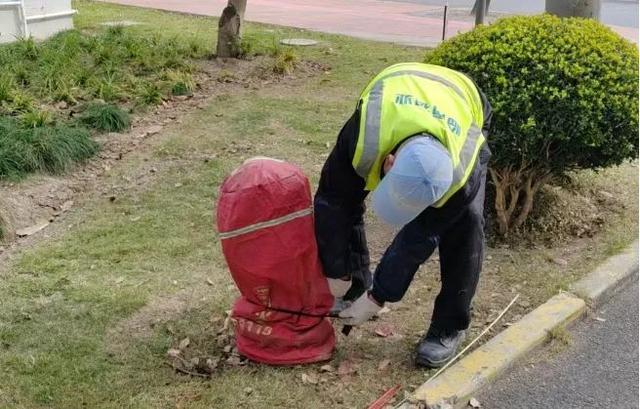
[230,29]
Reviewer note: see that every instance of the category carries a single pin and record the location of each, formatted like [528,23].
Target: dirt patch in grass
[139,327]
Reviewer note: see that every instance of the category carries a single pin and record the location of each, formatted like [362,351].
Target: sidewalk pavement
[405,23]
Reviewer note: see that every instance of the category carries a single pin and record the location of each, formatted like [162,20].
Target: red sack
[265,222]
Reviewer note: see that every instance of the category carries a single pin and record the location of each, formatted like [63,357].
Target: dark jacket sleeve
[339,209]
[487,113]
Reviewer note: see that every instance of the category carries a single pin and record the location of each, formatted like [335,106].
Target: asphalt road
[617,12]
[598,370]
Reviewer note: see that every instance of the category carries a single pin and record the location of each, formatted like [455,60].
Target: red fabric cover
[276,266]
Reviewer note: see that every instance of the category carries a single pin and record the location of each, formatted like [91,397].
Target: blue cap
[421,174]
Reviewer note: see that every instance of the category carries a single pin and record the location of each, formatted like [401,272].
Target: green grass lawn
[86,318]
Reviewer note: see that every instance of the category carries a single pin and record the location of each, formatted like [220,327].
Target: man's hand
[338,286]
[361,310]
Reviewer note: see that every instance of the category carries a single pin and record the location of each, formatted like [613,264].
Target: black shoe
[438,346]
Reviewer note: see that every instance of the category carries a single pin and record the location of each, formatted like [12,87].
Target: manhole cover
[298,41]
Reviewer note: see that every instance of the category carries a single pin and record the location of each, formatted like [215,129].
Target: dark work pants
[457,229]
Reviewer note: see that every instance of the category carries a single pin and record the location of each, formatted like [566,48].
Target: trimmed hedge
[564,94]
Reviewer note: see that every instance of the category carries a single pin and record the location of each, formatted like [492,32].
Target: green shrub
[181,83]
[564,94]
[21,74]
[107,88]
[150,94]
[82,76]
[52,77]
[105,117]
[285,61]
[27,48]
[7,87]
[196,48]
[50,149]
[115,31]
[36,118]
[21,102]
[65,93]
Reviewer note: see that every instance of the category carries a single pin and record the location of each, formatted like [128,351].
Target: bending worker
[417,140]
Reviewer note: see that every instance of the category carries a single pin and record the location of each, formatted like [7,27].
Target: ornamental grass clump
[51,149]
[105,118]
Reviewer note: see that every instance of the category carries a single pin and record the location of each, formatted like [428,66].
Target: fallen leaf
[326,368]
[209,281]
[474,403]
[384,330]
[600,319]
[384,364]
[184,343]
[227,349]
[309,379]
[174,353]
[28,231]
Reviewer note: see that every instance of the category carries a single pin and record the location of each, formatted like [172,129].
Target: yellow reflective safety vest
[412,98]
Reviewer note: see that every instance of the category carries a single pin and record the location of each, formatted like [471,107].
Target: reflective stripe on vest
[371,150]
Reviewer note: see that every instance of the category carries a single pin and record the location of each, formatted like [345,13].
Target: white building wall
[44,18]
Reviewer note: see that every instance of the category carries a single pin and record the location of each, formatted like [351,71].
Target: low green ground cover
[106,71]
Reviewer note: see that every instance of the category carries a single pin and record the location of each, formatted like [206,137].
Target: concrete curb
[456,385]
[607,277]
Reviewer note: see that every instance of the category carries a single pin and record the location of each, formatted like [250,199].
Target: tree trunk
[574,8]
[479,12]
[230,29]
[515,193]
[506,182]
